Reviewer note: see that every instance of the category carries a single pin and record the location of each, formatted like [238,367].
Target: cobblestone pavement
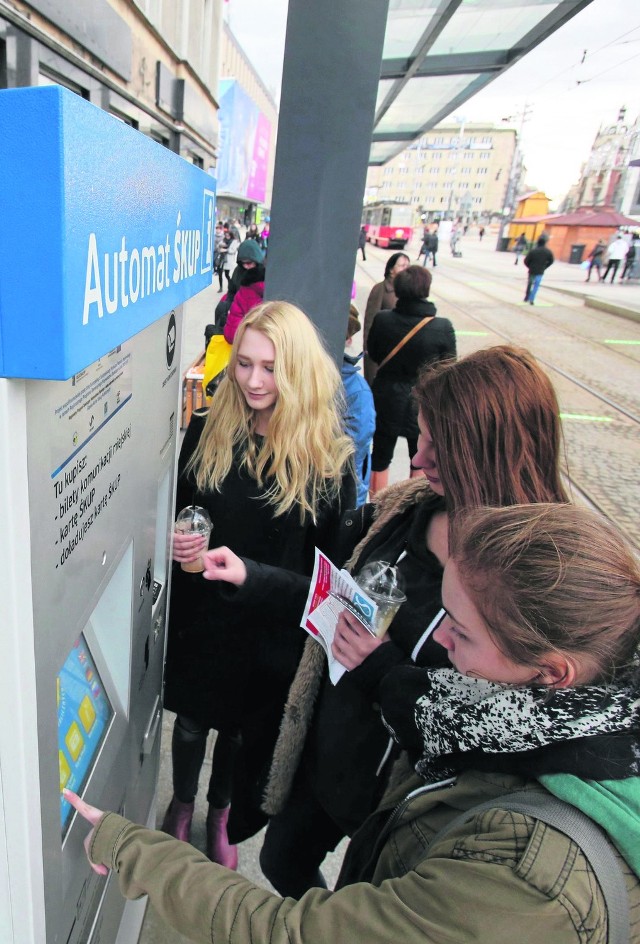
[482,295]
[601,443]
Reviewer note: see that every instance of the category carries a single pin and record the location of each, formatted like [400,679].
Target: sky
[567,87]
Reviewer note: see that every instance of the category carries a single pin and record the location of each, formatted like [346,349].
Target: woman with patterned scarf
[541,623]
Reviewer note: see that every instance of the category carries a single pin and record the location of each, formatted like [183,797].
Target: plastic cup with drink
[195,520]
[383,583]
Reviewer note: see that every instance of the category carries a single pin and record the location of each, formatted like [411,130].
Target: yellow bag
[216,359]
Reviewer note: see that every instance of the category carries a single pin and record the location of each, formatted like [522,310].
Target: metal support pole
[329,87]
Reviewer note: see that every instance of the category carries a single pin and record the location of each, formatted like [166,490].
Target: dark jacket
[395,410]
[538,260]
[228,665]
[381,298]
[340,726]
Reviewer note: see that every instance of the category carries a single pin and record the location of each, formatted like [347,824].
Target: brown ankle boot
[218,848]
[177,819]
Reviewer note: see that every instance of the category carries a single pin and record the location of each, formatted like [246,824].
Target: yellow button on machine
[87,713]
[74,741]
[65,770]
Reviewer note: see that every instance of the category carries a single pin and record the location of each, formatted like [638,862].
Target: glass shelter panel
[421,97]
[489,25]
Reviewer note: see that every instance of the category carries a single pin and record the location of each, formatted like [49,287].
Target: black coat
[395,410]
[229,665]
[222,655]
[538,260]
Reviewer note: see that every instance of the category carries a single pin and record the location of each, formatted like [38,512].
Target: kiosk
[101,242]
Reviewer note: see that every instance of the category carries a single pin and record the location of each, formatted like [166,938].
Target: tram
[388,224]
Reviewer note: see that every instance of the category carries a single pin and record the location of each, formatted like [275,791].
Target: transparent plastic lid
[382,580]
[194,518]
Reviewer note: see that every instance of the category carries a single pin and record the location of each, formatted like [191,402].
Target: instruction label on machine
[90,433]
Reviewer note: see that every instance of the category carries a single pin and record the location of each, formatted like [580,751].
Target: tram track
[580,490]
[634,417]
[540,318]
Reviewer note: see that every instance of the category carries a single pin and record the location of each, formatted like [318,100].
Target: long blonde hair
[305,451]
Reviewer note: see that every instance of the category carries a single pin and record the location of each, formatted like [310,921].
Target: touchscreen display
[84,712]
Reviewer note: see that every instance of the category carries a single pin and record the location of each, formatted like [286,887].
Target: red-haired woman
[489,435]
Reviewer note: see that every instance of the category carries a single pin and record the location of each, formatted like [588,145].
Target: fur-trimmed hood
[298,711]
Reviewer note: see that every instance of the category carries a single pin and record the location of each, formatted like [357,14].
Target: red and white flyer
[331,592]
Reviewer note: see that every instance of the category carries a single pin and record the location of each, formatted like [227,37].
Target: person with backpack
[538,715]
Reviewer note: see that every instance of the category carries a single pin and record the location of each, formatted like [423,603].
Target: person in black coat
[273,469]
[362,242]
[434,340]
[537,262]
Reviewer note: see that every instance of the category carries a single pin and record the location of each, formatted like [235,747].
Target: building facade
[453,171]
[249,122]
[150,63]
[165,67]
[606,178]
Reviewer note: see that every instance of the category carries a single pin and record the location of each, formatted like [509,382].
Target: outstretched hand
[222,564]
[93,816]
[352,643]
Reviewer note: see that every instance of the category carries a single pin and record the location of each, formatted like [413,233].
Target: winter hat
[249,251]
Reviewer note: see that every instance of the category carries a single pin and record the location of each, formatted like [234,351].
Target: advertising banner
[245,139]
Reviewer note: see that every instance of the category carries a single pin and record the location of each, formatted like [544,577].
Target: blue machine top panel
[103,231]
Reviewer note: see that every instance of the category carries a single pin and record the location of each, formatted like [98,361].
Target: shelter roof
[592,216]
[438,53]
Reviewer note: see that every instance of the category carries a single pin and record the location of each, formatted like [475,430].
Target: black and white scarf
[449,722]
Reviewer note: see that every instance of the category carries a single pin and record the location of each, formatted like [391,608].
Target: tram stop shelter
[360,82]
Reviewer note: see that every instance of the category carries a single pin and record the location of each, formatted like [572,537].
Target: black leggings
[296,842]
[383,448]
[188,745]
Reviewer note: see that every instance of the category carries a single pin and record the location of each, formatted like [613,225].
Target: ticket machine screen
[84,712]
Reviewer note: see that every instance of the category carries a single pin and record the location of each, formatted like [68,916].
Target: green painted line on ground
[474,334]
[614,341]
[586,416]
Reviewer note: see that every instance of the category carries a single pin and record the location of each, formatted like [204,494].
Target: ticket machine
[102,240]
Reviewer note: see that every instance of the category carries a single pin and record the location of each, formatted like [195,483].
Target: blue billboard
[104,231]
[245,142]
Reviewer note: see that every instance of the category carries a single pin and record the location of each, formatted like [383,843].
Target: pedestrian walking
[596,257]
[520,246]
[537,262]
[362,242]
[617,251]
[631,257]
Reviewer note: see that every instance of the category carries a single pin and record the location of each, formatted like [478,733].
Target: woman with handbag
[271,464]
[401,341]
[381,297]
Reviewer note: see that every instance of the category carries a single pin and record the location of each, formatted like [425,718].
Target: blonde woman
[272,465]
